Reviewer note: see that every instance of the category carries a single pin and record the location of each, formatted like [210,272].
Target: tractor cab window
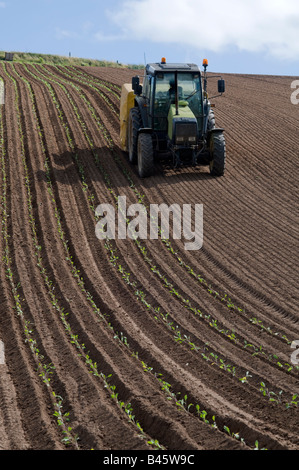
[147,86]
[189,90]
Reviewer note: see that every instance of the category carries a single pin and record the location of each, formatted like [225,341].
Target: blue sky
[238,36]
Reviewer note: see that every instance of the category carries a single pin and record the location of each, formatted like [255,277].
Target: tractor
[170,114]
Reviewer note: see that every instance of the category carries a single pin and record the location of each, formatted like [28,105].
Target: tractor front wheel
[133,127]
[218,154]
[145,155]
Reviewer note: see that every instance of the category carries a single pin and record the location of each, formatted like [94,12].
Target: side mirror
[221,86]
[136,86]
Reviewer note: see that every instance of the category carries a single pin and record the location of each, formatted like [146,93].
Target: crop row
[97,89]
[125,276]
[140,295]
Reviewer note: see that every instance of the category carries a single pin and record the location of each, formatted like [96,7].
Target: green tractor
[170,114]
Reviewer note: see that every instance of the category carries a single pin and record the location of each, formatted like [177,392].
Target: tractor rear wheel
[145,155]
[211,120]
[218,154]
[134,125]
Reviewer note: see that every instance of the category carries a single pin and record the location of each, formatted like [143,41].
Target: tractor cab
[170,113]
[173,95]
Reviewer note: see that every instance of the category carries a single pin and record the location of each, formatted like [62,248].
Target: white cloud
[103,37]
[2,4]
[84,30]
[269,26]
[64,33]
[87,27]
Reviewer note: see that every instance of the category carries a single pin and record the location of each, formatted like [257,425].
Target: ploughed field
[131,345]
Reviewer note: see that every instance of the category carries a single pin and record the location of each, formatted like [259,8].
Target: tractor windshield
[189,89]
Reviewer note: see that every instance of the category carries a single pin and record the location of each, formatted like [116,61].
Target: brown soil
[232,305]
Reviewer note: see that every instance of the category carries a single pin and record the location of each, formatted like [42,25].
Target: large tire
[204,158]
[218,154]
[211,120]
[145,155]
[135,123]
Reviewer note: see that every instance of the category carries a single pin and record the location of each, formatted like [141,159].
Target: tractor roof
[165,67]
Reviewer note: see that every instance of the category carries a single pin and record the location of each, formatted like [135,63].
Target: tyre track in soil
[104,193]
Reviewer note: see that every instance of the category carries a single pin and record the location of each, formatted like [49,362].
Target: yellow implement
[126,103]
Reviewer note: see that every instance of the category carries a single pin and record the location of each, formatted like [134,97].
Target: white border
[2,355]
[1,92]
